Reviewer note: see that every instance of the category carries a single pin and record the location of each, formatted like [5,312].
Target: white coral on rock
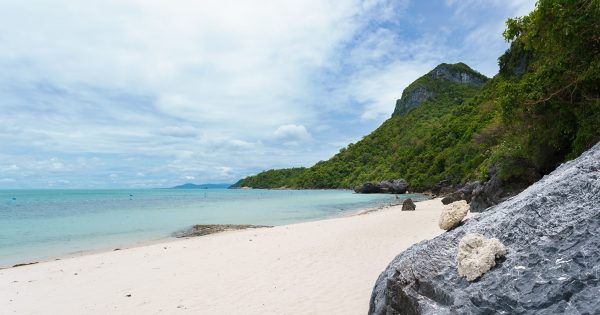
[452,214]
[477,255]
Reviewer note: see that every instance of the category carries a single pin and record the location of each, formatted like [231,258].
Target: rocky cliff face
[458,74]
[420,92]
[552,234]
[416,97]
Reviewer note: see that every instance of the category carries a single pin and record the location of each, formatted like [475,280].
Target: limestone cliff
[423,90]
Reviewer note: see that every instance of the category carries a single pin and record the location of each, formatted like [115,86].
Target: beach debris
[408,205]
[477,255]
[452,214]
[128,295]
[25,264]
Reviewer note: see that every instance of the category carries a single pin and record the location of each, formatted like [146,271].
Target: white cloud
[225,170]
[148,90]
[292,134]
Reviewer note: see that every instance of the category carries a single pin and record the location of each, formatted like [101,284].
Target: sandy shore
[321,267]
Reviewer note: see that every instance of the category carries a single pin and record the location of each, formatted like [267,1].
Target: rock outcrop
[414,98]
[552,232]
[464,193]
[396,186]
[459,73]
[443,188]
[420,91]
[477,255]
[408,205]
[453,214]
[500,186]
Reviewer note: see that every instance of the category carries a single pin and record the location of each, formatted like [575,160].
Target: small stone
[453,214]
[408,205]
[477,255]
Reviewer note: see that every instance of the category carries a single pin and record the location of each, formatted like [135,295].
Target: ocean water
[42,224]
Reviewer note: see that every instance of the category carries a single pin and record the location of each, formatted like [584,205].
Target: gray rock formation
[463,193]
[477,255]
[499,188]
[449,73]
[415,95]
[453,214]
[408,205]
[396,186]
[443,188]
[552,232]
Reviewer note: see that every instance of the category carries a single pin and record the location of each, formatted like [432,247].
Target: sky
[147,93]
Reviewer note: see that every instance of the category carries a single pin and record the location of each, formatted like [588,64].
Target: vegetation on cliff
[543,108]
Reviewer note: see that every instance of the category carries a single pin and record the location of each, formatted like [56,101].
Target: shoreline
[295,269]
[171,238]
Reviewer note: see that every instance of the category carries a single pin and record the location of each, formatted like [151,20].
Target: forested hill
[428,121]
[454,124]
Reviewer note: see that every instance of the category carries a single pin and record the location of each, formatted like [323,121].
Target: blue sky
[146,93]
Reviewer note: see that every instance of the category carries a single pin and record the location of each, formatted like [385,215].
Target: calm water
[39,224]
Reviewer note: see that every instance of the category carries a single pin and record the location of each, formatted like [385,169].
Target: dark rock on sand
[396,186]
[552,234]
[25,264]
[463,193]
[408,205]
[443,187]
[205,229]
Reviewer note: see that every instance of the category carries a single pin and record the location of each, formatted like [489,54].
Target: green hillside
[541,109]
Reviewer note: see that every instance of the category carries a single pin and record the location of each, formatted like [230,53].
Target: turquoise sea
[42,224]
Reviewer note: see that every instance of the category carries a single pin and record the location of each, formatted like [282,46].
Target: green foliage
[273,178]
[553,107]
[542,108]
[434,140]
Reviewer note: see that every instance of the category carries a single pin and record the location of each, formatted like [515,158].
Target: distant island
[201,186]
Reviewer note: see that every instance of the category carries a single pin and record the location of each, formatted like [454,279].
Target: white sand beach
[321,267]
